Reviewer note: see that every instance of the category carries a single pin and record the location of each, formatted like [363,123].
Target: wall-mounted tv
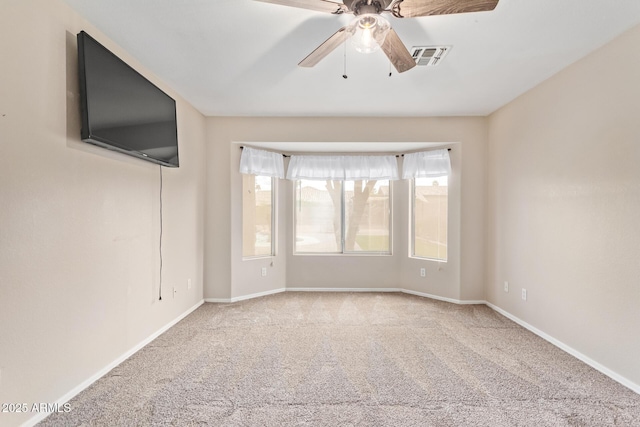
[121,109]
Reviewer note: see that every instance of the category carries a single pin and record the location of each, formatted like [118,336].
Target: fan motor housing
[360,7]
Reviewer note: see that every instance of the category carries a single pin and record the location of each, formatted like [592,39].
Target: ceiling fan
[371,31]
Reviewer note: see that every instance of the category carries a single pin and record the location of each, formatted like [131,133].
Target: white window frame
[412,211]
[274,222]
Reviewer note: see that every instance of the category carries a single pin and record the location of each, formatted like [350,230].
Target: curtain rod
[284,155]
[397,155]
[402,155]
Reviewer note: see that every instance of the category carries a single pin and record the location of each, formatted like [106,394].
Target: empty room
[319,213]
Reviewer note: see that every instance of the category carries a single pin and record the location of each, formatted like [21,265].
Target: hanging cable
[344,76]
[160,287]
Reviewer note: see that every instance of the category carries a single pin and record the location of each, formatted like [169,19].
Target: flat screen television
[121,109]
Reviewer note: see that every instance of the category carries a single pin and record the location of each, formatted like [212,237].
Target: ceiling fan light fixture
[369,31]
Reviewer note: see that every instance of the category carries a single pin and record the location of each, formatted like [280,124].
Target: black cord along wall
[160,285]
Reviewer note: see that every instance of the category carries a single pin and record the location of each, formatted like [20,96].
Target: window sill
[370,254]
[257,257]
[439,261]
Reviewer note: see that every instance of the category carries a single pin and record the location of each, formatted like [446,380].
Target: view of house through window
[430,202]
[257,216]
[342,216]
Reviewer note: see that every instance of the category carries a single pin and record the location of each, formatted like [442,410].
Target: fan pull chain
[344,76]
[389,68]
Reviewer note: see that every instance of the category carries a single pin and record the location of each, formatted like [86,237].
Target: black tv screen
[121,109]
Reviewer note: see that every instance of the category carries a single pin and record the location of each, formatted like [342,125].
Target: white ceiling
[239,57]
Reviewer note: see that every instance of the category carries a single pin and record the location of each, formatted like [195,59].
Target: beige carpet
[351,359]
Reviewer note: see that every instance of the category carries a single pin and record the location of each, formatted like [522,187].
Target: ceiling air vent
[429,56]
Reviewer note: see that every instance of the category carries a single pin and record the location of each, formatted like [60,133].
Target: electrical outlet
[524,294]
[423,272]
[264,271]
[506,286]
[188,283]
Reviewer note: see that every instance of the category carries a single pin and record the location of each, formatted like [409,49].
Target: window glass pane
[430,203]
[318,219]
[367,216]
[257,216]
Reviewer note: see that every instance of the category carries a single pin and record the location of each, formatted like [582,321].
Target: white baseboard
[405,291]
[245,297]
[218,300]
[344,290]
[575,353]
[76,390]
[439,298]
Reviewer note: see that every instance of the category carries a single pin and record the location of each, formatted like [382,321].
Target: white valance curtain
[416,165]
[260,162]
[426,164]
[342,168]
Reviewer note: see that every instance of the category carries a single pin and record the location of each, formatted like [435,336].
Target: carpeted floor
[351,359]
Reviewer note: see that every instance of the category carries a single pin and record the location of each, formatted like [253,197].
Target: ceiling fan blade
[413,8]
[397,52]
[318,5]
[327,47]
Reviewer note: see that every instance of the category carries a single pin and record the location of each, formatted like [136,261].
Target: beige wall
[79,266]
[79,225]
[227,276]
[564,204]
